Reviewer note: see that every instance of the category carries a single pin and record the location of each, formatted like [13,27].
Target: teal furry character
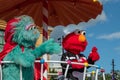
[20,37]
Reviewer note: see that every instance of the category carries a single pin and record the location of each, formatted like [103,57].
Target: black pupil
[83,33]
[79,32]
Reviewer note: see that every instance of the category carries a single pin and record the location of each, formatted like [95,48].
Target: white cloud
[100,18]
[60,30]
[90,35]
[57,33]
[111,36]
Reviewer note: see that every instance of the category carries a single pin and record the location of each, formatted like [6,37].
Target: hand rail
[51,61]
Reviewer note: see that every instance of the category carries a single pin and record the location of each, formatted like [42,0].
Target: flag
[37,71]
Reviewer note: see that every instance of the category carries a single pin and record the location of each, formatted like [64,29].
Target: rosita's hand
[94,56]
[51,47]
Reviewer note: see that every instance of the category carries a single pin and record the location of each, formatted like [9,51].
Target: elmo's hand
[94,56]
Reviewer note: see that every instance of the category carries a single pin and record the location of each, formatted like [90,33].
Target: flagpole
[45,28]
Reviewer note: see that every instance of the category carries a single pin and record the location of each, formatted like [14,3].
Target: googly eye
[78,32]
[83,32]
[30,28]
[33,27]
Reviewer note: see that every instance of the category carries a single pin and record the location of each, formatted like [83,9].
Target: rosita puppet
[20,38]
[74,44]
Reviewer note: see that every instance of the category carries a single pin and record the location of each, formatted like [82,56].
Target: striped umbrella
[51,12]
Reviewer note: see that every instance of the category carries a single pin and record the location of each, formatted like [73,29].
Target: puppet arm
[48,47]
[93,56]
[25,59]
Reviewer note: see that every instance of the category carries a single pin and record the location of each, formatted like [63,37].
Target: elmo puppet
[74,43]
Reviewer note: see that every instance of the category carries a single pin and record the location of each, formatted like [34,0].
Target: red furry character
[74,43]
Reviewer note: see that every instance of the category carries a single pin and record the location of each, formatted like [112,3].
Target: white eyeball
[80,32]
[83,32]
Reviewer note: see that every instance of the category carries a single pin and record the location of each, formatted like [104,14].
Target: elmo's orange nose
[82,38]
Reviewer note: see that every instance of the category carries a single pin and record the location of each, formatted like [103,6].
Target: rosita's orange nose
[82,38]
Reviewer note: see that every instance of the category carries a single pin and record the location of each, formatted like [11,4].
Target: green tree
[108,76]
[117,74]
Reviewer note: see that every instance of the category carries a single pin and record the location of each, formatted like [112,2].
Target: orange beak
[82,38]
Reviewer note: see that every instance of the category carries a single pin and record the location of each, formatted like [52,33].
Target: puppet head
[75,42]
[22,31]
[19,31]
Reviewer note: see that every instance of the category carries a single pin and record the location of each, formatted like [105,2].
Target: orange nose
[82,38]
[35,32]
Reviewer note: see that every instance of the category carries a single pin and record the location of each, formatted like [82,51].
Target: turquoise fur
[26,58]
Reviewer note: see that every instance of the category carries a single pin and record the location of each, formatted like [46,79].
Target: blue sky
[104,33]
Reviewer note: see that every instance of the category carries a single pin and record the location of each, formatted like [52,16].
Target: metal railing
[98,68]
